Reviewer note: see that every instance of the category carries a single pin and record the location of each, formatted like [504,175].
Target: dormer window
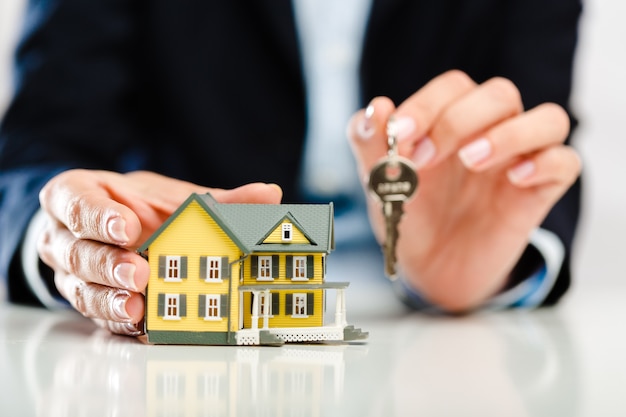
[287,232]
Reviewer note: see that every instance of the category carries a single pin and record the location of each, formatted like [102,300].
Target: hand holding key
[489,174]
[393,181]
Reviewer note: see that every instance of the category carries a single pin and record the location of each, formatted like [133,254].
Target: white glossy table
[567,361]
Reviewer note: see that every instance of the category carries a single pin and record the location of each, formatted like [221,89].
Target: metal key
[393,181]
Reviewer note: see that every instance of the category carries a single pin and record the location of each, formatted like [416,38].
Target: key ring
[392,137]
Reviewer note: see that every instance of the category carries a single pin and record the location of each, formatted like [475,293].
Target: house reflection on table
[511,363]
[244,381]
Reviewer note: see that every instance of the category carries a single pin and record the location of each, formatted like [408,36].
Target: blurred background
[599,101]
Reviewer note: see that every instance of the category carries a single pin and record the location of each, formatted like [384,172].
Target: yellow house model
[242,274]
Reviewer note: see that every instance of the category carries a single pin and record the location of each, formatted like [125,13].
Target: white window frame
[172,301]
[302,297]
[208,307]
[263,302]
[171,385]
[209,386]
[173,269]
[265,269]
[287,228]
[217,269]
[299,272]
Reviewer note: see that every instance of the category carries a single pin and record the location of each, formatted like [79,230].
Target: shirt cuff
[529,293]
[30,263]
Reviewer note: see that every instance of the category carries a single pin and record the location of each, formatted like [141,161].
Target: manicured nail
[475,152]
[366,127]
[424,152]
[521,171]
[117,230]
[404,127]
[124,275]
[119,306]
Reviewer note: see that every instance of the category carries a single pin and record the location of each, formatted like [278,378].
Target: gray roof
[249,224]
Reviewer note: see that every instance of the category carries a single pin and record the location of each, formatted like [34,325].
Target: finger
[486,106]
[79,199]
[366,131]
[413,119]
[420,113]
[541,127]
[557,165]
[93,261]
[255,193]
[99,301]
[125,329]
[168,202]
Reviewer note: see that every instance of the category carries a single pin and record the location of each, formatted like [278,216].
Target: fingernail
[521,171]
[366,127]
[424,152]
[124,275]
[404,127]
[119,306]
[117,230]
[475,152]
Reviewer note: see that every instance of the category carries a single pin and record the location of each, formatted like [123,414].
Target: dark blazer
[212,91]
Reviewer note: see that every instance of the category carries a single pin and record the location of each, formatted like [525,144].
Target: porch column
[240,310]
[266,308]
[340,308]
[255,310]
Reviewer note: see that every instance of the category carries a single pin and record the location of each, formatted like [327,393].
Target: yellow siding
[318,274]
[277,235]
[193,234]
[282,319]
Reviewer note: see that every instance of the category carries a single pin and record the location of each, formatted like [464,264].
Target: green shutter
[310,266]
[203,261]
[275,269]
[182,298]
[275,303]
[161,266]
[225,268]
[201,305]
[289,266]
[183,267]
[251,303]
[224,305]
[161,305]
[310,298]
[254,266]
[288,304]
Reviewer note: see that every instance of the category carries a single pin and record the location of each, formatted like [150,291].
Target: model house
[243,274]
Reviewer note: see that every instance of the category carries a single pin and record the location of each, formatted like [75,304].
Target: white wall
[600,101]
[10,14]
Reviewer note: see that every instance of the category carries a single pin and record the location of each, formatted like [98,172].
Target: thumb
[78,200]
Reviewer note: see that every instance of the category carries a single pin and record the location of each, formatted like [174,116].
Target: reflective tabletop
[563,361]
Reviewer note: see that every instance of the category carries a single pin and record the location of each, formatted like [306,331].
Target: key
[392,181]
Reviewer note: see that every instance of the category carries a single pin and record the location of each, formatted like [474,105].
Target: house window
[170,385]
[265,304]
[213,268]
[265,267]
[209,386]
[172,307]
[212,307]
[299,305]
[287,232]
[172,268]
[299,268]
